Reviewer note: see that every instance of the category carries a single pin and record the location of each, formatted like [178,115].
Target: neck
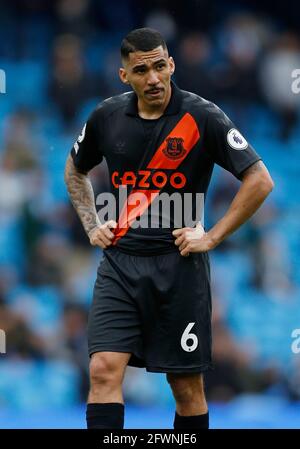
[153,112]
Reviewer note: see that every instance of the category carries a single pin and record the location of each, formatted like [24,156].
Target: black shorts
[158,308]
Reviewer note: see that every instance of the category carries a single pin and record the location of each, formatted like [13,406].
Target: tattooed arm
[256,186]
[82,197]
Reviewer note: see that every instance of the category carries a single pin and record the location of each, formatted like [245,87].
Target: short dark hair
[141,39]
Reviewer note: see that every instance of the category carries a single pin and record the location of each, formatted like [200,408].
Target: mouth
[154,92]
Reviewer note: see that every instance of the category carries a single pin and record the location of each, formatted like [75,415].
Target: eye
[161,66]
[140,70]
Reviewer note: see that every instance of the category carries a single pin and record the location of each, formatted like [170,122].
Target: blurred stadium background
[60,59]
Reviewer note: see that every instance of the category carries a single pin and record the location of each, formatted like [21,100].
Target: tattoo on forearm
[82,196]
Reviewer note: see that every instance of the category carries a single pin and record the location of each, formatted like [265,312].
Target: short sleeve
[226,145]
[86,152]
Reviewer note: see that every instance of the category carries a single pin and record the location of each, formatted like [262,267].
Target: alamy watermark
[295,346]
[2,82]
[142,209]
[2,342]
[296,82]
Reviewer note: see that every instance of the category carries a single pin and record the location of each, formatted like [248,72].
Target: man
[152,303]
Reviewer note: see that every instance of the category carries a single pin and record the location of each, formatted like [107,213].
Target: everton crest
[174,149]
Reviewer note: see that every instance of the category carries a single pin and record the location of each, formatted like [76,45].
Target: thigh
[113,323]
[177,315]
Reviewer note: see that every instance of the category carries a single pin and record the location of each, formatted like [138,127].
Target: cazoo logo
[2,82]
[2,342]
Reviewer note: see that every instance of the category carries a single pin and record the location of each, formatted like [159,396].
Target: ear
[123,75]
[172,65]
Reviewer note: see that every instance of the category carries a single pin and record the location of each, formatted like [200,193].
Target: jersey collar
[173,107]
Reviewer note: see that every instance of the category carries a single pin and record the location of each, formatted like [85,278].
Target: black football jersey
[152,162]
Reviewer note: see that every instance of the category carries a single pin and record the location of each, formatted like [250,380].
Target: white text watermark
[295,347]
[296,82]
[2,82]
[2,342]
[142,209]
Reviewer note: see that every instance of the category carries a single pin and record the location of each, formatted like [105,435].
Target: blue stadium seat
[29,385]
[26,84]
[40,306]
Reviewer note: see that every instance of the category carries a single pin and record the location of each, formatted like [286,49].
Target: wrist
[91,231]
[213,240]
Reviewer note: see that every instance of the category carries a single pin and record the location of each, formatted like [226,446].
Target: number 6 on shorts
[187,336]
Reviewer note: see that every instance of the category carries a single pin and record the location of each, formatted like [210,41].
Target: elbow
[66,176]
[259,180]
[265,185]
[271,185]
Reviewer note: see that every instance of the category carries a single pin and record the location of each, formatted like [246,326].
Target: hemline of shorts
[175,370]
[157,369]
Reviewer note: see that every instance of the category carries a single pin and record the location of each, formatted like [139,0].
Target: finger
[179,240]
[180,231]
[101,244]
[111,224]
[102,237]
[185,252]
[108,234]
[183,245]
[105,240]
[177,232]
[98,242]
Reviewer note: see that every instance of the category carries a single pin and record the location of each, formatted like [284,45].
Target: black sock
[191,422]
[105,416]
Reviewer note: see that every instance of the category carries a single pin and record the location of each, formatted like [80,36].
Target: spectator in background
[278,65]
[71,84]
[233,366]
[73,16]
[236,80]
[20,340]
[161,20]
[19,164]
[48,260]
[192,68]
[19,148]
[75,344]
[275,265]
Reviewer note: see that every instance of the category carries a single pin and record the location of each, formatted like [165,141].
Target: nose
[153,78]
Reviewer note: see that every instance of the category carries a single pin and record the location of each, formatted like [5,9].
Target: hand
[102,235]
[193,240]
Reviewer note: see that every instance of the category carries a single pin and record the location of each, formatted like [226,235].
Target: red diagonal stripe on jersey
[186,129]
[136,204]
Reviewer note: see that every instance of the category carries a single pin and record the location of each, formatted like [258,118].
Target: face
[149,74]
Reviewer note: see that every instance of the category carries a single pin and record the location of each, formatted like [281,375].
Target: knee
[186,388]
[103,370]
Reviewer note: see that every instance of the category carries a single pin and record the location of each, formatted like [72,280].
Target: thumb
[111,224]
[177,232]
[199,225]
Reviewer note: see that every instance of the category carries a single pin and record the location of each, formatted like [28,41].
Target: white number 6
[186,336]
